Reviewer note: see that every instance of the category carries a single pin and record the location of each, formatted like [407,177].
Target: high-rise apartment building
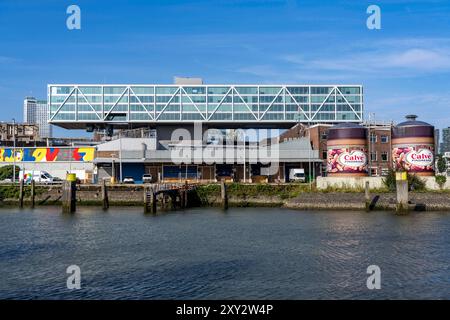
[445,145]
[36,112]
[437,140]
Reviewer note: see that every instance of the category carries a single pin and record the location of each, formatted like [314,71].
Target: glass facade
[211,103]
[36,112]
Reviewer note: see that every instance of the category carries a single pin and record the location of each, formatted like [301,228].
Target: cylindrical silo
[413,147]
[347,150]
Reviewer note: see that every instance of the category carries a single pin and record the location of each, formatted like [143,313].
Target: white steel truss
[79,103]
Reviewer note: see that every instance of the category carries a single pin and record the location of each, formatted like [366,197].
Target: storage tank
[413,147]
[347,150]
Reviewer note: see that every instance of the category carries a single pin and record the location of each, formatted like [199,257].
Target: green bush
[441,180]
[238,190]
[414,182]
[6,172]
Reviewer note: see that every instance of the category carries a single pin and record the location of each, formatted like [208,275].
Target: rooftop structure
[95,106]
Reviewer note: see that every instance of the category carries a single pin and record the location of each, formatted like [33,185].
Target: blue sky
[404,67]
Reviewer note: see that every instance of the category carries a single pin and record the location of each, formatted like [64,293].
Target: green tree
[6,172]
[441,164]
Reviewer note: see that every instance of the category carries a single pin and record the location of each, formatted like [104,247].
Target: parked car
[128,180]
[147,178]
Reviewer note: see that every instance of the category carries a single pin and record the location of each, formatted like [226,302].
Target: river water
[244,253]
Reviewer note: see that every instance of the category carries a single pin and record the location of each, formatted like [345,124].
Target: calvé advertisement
[419,158]
[347,160]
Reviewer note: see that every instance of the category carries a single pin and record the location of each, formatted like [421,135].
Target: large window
[153,103]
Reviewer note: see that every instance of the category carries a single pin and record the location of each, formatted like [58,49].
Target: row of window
[211,108]
[202,99]
[384,156]
[374,138]
[203,89]
[197,116]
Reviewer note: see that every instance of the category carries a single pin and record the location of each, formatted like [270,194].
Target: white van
[36,175]
[297,175]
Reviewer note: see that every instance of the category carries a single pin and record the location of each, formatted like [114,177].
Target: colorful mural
[47,154]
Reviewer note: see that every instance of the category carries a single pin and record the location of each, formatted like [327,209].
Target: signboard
[83,154]
[416,158]
[347,160]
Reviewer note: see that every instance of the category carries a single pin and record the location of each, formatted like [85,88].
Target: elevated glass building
[80,106]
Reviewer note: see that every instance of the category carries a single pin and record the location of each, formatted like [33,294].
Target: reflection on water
[249,253]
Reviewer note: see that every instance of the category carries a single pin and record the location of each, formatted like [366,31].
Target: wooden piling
[21,193]
[186,200]
[164,201]
[153,201]
[105,198]
[149,200]
[69,196]
[146,200]
[182,195]
[224,196]
[402,192]
[33,193]
[367,195]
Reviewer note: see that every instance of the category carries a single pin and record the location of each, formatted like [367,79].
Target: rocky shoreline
[287,196]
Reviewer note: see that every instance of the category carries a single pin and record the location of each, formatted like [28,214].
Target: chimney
[411,117]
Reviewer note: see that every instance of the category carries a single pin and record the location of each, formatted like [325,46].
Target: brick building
[379,143]
[379,146]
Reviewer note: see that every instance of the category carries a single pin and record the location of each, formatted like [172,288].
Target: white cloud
[432,108]
[386,58]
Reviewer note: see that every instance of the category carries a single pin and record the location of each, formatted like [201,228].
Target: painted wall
[56,169]
[82,154]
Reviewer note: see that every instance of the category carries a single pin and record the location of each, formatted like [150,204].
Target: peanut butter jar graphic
[413,147]
[347,151]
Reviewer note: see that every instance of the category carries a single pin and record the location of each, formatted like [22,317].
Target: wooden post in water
[105,198]
[224,196]
[69,196]
[146,199]
[164,201]
[153,201]
[402,192]
[182,195]
[367,195]
[33,193]
[185,195]
[21,192]
[149,200]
